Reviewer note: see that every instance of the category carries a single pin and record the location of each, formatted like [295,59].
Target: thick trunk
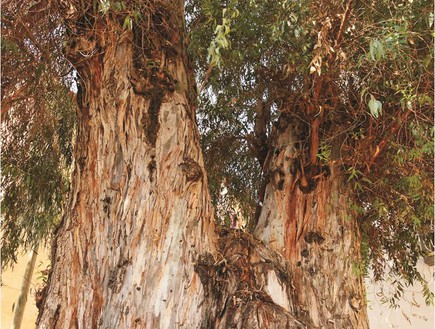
[139,213]
[306,217]
[137,247]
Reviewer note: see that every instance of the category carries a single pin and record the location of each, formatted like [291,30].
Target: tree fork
[137,242]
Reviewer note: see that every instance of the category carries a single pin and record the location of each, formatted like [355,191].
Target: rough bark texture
[306,217]
[247,285]
[139,212]
[137,246]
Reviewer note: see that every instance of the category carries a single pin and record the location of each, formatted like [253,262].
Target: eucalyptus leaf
[104,6]
[375,107]
[128,23]
[377,51]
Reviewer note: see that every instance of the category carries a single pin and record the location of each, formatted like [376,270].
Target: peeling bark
[137,246]
[316,232]
[136,219]
[247,286]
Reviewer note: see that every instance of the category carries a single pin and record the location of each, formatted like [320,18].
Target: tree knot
[355,302]
[191,169]
[314,237]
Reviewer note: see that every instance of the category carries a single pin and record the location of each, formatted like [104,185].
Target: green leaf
[128,23]
[118,6]
[377,50]
[9,45]
[104,6]
[375,107]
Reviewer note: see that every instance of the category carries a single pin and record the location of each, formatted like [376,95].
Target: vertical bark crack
[153,124]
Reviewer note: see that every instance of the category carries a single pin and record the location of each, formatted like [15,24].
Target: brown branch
[344,21]
[315,120]
[262,118]
[314,145]
[207,76]
[381,146]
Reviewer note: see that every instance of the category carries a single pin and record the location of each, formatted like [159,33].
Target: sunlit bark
[139,213]
[307,217]
[137,246]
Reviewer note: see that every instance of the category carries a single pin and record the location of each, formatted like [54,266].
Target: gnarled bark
[247,285]
[139,211]
[306,217]
[137,246]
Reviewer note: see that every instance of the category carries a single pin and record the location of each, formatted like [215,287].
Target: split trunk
[137,247]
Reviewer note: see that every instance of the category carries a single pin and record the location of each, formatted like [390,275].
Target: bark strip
[317,233]
[139,212]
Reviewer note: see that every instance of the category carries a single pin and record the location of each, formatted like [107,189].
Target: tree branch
[343,24]
[207,76]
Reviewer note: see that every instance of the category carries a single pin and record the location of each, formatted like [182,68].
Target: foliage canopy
[361,70]
[38,116]
[367,70]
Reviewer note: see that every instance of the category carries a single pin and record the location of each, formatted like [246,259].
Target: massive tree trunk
[137,246]
[139,211]
[307,217]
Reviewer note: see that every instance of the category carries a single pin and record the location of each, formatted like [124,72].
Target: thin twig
[207,76]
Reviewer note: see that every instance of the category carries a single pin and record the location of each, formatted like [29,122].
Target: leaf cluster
[38,119]
[368,70]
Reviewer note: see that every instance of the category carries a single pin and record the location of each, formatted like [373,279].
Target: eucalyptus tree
[138,247]
[334,101]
